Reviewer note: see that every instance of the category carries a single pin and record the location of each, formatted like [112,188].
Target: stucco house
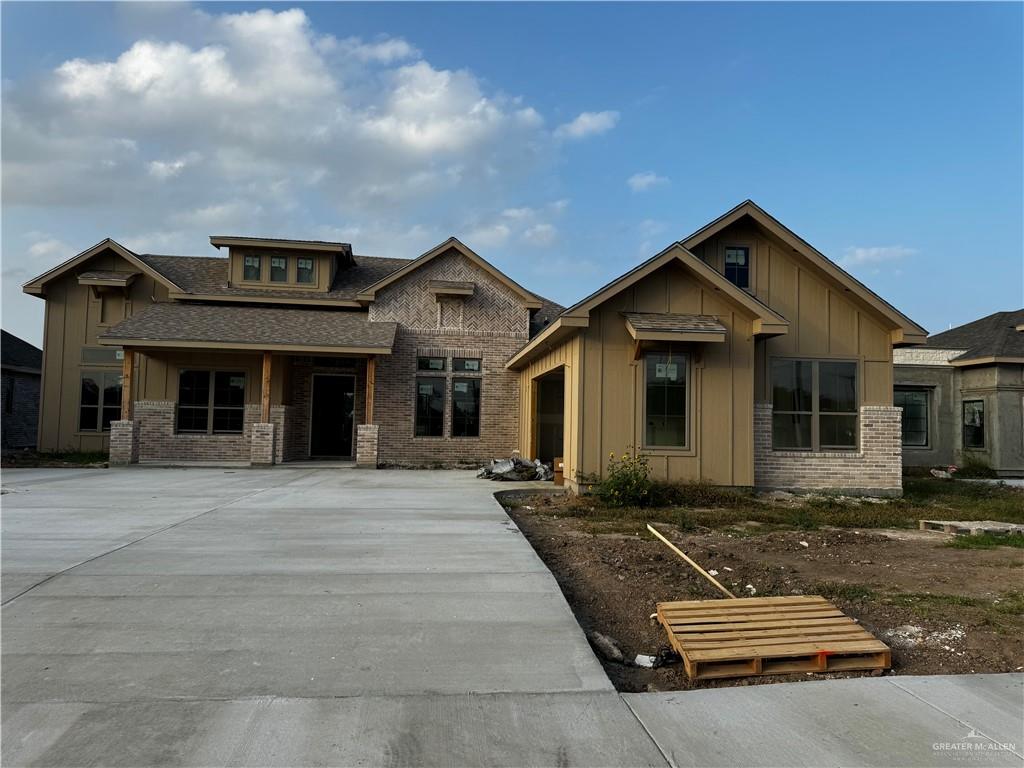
[962,395]
[20,371]
[741,356]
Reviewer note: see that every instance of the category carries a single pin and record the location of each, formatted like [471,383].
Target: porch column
[263,438]
[124,433]
[367,433]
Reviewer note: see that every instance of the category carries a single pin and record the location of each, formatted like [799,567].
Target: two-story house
[740,356]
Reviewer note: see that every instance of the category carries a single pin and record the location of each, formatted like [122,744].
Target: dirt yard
[942,610]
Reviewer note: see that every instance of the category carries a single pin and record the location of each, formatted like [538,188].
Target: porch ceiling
[213,326]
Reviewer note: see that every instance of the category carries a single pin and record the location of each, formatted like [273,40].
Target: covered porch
[208,389]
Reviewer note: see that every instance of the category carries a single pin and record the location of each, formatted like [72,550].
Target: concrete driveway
[337,617]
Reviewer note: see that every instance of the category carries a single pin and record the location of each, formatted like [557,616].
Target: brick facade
[295,444]
[124,442]
[20,406]
[491,325]
[366,445]
[262,447]
[875,469]
[158,440]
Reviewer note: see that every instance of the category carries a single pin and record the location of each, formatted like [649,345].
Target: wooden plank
[692,563]
[795,631]
[796,649]
[719,618]
[727,626]
[741,601]
[774,642]
[265,390]
[748,614]
[127,382]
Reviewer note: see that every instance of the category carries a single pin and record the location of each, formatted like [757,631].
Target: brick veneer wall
[262,448]
[366,445]
[22,423]
[295,444]
[159,442]
[492,324]
[124,441]
[874,469]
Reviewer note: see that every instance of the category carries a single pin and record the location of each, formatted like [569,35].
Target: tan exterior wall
[826,321]
[324,266]
[607,416]
[567,356]
[73,319]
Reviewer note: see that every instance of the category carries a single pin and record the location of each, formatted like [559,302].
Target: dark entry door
[332,415]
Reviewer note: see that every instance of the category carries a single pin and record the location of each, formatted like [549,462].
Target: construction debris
[606,647]
[516,468]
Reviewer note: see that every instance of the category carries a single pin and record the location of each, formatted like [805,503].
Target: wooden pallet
[970,527]
[768,636]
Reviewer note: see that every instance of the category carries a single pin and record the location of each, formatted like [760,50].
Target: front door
[332,415]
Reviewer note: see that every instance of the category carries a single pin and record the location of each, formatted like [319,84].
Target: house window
[465,407]
[814,405]
[737,266]
[974,423]
[251,267]
[665,400]
[211,402]
[466,364]
[914,403]
[429,407]
[304,270]
[278,269]
[430,363]
[100,400]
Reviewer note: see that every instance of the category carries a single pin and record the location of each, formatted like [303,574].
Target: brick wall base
[124,442]
[873,470]
[262,451]
[367,439]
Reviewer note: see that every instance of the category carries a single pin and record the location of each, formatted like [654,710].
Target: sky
[565,143]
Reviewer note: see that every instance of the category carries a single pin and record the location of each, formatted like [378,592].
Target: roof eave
[555,334]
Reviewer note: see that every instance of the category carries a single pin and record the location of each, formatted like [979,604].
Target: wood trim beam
[127,380]
[371,385]
[265,388]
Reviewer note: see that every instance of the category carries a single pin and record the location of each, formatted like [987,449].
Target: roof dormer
[272,264]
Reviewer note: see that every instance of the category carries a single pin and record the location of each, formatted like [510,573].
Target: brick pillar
[124,442]
[262,443]
[366,445]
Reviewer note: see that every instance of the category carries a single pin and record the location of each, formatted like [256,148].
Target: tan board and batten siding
[826,319]
[73,318]
[603,409]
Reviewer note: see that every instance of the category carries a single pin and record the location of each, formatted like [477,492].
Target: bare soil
[953,610]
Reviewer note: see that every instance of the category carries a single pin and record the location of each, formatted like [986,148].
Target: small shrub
[627,482]
[803,519]
[975,466]
[698,494]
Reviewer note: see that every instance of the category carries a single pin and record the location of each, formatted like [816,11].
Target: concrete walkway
[340,617]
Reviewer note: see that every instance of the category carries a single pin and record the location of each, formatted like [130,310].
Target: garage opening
[550,416]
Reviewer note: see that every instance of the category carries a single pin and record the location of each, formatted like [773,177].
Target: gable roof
[766,320]
[19,354]
[37,286]
[531,300]
[994,338]
[906,330]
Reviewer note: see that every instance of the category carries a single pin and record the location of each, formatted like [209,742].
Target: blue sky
[564,142]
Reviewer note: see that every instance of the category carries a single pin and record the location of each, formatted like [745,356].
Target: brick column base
[366,445]
[124,442]
[262,444]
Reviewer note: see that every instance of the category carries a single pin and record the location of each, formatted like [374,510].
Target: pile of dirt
[942,610]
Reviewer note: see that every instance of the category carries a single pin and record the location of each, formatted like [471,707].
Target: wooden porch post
[127,380]
[371,379]
[265,392]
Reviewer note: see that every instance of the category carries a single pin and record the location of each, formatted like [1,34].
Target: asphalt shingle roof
[992,336]
[18,353]
[668,321]
[272,326]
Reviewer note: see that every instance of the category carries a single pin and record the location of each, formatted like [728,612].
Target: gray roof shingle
[18,353]
[993,336]
[271,326]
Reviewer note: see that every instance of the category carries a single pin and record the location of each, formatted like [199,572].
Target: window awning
[218,326]
[667,326]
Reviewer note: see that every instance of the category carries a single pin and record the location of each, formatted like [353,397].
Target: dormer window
[304,270]
[278,269]
[252,268]
[737,266]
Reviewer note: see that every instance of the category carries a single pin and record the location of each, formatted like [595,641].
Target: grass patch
[850,592]
[986,541]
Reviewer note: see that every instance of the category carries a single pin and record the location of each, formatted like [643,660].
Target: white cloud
[859,256]
[50,250]
[541,234]
[588,124]
[168,169]
[491,236]
[384,51]
[641,182]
